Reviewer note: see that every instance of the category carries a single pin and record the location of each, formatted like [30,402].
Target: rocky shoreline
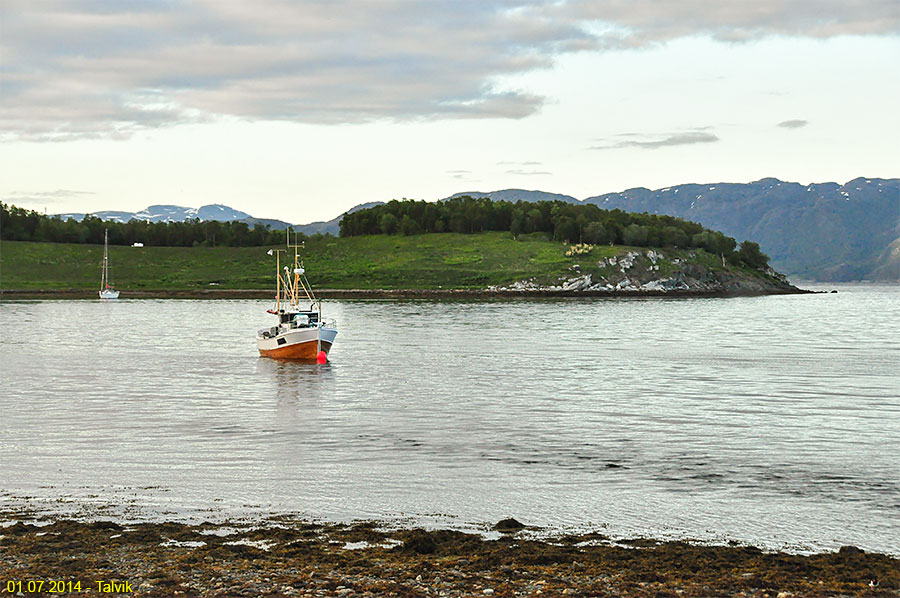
[652,272]
[284,557]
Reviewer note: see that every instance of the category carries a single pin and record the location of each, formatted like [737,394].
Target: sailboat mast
[104,274]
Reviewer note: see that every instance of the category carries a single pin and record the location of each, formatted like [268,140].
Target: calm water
[771,420]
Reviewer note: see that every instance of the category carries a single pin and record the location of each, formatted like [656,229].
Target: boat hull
[297,344]
[109,294]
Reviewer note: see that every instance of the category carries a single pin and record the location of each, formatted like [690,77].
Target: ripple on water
[771,420]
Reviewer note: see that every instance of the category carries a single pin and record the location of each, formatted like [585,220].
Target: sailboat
[300,332]
[106,289]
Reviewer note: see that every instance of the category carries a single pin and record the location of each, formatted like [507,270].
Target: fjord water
[769,420]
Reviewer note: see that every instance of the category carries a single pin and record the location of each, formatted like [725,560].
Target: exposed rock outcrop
[653,272]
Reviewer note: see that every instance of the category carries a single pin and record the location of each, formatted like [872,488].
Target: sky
[301,109]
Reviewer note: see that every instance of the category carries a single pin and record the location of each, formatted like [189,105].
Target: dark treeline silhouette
[562,221]
[565,222]
[18,224]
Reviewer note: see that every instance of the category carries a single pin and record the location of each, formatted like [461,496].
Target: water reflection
[296,383]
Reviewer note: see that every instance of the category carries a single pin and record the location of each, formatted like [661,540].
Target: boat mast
[299,281]
[104,275]
[292,301]
[278,280]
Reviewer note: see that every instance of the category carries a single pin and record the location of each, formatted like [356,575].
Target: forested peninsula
[462,244]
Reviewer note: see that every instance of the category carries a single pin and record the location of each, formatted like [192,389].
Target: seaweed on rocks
[508,525]
[301,559]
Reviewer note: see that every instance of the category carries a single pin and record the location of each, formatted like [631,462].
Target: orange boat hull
[307,350]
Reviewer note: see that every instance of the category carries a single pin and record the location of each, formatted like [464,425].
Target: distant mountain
[822,231]
[887,266]
[333,226]
[222,213]
[167,213]
[825,231]
[273,224]
[514,195]
[163,213]
[106,215]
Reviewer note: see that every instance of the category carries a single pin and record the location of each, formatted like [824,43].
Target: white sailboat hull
[109,294]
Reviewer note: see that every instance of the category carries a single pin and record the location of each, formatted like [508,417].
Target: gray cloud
[637,22]
[656,142]
[107,68]
[793,124]
[45,197]
[522,172]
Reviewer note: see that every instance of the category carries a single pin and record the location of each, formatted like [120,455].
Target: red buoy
[321,357]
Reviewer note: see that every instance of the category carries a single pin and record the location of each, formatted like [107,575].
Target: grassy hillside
[445,260]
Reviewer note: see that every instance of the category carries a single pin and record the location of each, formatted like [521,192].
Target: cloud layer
[58,196]
[658,141]
[106,68]
[793,124]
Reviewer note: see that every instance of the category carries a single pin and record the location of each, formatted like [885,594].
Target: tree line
[565,222]
[18,224]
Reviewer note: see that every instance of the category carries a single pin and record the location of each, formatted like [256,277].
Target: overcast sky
[299,110]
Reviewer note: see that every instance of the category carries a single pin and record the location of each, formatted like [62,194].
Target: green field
[430,261]
[423,261]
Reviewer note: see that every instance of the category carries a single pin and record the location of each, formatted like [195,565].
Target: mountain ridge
[514,195]
[166,213]
[820,231]
[858,221]
[219,212]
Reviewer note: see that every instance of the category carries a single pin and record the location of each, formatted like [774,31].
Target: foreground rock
[295,558]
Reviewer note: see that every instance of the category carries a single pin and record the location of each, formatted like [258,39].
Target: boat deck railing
[276,330]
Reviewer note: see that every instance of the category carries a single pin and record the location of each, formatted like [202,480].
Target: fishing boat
[300,331]
[107,291]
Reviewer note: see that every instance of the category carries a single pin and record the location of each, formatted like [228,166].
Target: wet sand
[299,558]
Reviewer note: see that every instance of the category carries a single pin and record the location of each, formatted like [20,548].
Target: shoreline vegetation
[489,264]
[289,557]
